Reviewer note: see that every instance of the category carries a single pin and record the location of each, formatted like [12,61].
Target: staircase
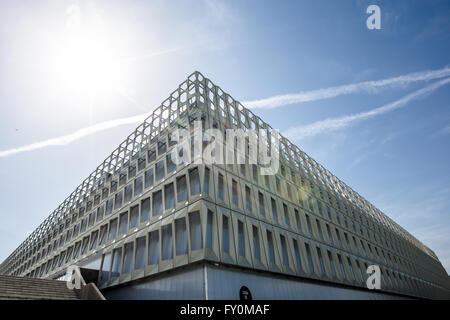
[20,288]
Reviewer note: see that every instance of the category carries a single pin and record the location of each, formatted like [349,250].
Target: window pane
[169,196]
[118,200]
[167,246]
[220,187]
[138,186]
[234,193]
[181,236]
[225,235]
[270,247]
[109,206]
[181,189]
[134,216]
[284,250]
[112,229]
[140,253]
[123,223]
[148,178]
[241,239]
[94,238]
[195,229]
[151,155]
[104,273]
[128,193]
[286,215]
[194,180]
[297,254]
[248,198]
[333,270]
[256,247]
[128,257]
[262,210]
[157,203]
[102,238]
[145,210]
[209,229]
[322,266]
[206,181]
[171,167]
[153,247]
[274,210]
[159,170]
[116,263]
[91,219]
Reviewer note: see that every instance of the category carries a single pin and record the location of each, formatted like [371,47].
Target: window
[274,210]
[157,203]
[194,181]
[94,238]
[102,237]
[319,228]
[270,247]
[195,229]
[220,187]
[308,255]
[131,172]
[308,223]
[225,235]
[284,250]
[84,247]
[286,215]
[262,210]
[148,177]
[351,268]
[123,223]
[162,148]
[209,229]
[322,266]
[128,257]
[151,155]
[171,167]
[118,200]
[153,247]
[109,206]
[338,236]
[181,189]
[256,247]
[234,192]
[206,181]
[299,222]
[181,236]
[241,239]
[116,263]
[128,193]
[297,254]
[330,237]
[248,198]
[138,186]
[167,247]
[333,270]
[341,265]
[255,172]
[145,210]
[134,216]
[112,229]
[91,219]
[159,170]
[140,253]
[169,196]
[104,272]
[100,211]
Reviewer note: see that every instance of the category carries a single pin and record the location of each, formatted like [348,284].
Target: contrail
[331,124]
[66,139]
[331,92]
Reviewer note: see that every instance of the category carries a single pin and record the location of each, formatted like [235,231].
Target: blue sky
[397,159]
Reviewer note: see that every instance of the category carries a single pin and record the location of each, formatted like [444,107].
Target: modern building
[157,230]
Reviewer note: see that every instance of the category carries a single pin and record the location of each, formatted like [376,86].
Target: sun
[85,62]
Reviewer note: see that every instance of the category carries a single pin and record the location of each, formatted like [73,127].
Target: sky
[370,105]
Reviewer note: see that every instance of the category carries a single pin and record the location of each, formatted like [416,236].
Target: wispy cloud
[81,133]
[331,124]
[331,92]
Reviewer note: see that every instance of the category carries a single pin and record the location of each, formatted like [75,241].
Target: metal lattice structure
[315,188]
